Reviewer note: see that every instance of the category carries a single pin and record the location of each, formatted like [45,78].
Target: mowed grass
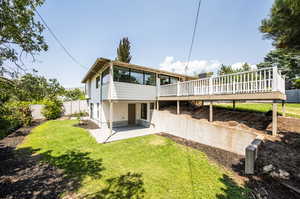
[144,167]
[292,110]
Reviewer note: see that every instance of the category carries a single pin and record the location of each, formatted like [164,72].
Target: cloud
[196,66]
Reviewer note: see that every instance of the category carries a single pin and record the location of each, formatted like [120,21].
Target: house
[122,94]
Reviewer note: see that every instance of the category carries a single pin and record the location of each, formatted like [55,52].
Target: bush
[13,115]
[52,108]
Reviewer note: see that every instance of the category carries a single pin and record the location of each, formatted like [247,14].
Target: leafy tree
[20,32]
[74,94]
[287,62]
[297,83]
[283,24]
[32,87]
[225,70]
[123,51]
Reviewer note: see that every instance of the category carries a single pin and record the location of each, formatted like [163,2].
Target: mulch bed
[87,124]
[23,176]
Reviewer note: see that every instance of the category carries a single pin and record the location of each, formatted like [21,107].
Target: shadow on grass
[232,190]
[45,175]
[128,186]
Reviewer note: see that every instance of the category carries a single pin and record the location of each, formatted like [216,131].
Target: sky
[160,32]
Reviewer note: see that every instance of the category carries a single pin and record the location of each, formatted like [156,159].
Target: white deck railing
[255,81]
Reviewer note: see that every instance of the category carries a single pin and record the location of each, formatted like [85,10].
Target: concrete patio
[121,133]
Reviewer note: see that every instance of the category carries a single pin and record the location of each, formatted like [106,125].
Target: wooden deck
[260,84]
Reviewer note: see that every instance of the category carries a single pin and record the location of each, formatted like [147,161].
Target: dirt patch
[24,176]
[87,124]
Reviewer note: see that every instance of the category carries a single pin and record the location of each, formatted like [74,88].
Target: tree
[20,32]
[283,24]
[287,62]
[225,70]
[31,87]
[123,51]
[74,94]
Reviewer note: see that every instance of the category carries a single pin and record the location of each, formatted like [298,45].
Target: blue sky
[160,32]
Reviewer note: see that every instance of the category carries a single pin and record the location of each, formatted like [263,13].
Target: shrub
[13,115]
[52,108]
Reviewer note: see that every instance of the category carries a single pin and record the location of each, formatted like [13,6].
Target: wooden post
[157,105]
[110,117]
[211,111]
[283,108]
[178,107]
[233,105]
[274,119]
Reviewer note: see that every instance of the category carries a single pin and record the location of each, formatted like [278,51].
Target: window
[121,74]
[105,76]
[164,79]
[144,111]
[149,79]
[173,80]
[136,76]
[97,81]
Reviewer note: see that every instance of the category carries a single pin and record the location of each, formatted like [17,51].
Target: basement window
[144,111]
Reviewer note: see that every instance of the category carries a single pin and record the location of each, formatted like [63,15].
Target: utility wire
[59,42]
[193,37]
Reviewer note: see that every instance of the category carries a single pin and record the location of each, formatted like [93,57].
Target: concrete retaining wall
[203,132]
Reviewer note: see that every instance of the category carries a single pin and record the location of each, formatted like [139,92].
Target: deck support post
[211,111]
[274,119]
[283,108]
[110,117]
[233,105]
[157,105]
[178,107]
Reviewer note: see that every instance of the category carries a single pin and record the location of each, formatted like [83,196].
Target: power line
[59,42]
[193,37]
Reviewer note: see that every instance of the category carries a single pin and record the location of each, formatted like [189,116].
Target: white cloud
[195,66]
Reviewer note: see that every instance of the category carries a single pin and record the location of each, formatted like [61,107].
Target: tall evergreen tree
[123,51]
[283,25]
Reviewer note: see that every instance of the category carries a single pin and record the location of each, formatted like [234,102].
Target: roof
[103,62]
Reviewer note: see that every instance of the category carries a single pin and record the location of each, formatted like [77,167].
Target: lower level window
[144,111]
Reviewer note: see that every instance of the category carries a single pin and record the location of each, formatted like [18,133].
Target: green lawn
[292,110]
[150,166]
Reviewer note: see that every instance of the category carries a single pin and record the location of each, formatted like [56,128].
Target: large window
[165,79]
[105,76]
[136,76]
[144,111]
[150,78]
[122,74]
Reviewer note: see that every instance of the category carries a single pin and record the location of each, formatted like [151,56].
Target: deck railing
[255,81]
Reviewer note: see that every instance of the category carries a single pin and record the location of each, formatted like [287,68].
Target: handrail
[258,80]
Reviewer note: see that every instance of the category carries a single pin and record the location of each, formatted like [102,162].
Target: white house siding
[129,91]
[95,92]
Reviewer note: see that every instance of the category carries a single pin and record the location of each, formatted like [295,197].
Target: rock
[268,168]
[284,174]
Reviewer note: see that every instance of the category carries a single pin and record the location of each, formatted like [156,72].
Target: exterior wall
[203,132]
[130,91]
[95,92]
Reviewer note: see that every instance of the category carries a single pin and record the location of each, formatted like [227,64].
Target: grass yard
[144,167]
[292,110]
